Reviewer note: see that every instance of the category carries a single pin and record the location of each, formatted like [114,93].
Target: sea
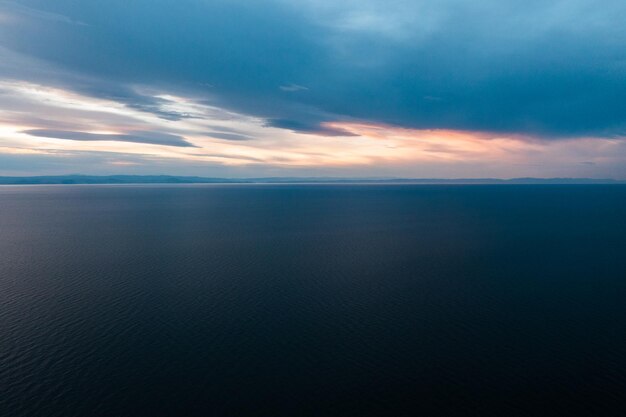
[312,300]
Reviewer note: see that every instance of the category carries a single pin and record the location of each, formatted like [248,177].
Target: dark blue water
[312,300]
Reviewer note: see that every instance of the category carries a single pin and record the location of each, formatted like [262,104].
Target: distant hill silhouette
[169,179]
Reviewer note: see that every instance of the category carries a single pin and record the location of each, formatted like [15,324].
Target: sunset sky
[355,88]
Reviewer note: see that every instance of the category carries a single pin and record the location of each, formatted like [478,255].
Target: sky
[353,88]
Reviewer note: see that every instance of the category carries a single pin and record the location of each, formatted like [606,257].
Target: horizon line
[86,179]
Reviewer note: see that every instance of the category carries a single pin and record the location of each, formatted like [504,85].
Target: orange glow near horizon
[439,144]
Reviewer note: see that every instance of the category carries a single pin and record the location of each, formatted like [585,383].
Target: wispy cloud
[14,12]
[154,138]
[291,88]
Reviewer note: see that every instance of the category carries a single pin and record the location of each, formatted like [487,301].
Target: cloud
[153,138]
[134,100]
[228,136]
[548,69]
[288,82]
[291,88]
[14,11]
[308,127]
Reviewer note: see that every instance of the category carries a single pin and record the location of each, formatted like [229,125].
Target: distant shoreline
[173,180]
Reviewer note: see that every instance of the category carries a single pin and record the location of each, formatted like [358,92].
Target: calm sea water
[312,300]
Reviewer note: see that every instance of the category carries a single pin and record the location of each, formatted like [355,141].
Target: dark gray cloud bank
[550,69]
[153,138]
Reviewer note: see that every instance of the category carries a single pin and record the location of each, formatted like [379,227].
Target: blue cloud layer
[551,69]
